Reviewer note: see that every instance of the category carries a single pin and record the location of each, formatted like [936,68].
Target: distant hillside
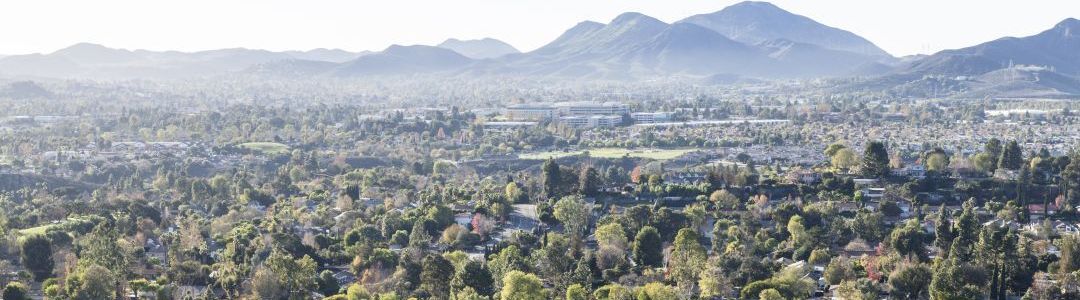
[96,61]
[479,49]
[326,55]
[397,60]
[745,42]
[634,45]
[1023,81]
[756,22]
[1057,48]
[24,90]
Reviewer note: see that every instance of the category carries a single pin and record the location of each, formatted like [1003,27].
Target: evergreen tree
[552,179]
[943,230]
[589,181]
[875,162]
[15,291]
[647,247]
[1011,157]
[967,233]
[474,274]
[436,275]
[37,256]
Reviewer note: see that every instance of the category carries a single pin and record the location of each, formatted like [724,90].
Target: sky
[901,27]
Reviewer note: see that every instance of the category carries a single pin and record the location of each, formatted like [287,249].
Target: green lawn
[657,154]
[43,228]
[266,147]
[36,230]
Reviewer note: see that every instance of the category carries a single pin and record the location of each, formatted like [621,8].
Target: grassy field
[266,147]
[36,230]
[43,228]
[657,154]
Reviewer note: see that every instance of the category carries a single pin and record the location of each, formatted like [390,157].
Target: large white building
[530,112]
[650,118]
[591,121]
[586,108]
[576,114]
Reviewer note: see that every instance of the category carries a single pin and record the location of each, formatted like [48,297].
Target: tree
[576,292]
[552,179]
[573,213]
[611,235]
[713,282]
[657,291]
[508,259]
[861,289]
[328,285]
[910,281]
[942,230]
[993,149]
[36,254]
[687,258]
[770,294]
[15,291]
[834,148]
[294,275]
[518,285]
[435,276]
[613,291]
[838,270]
[419,237]
[937,162]
[554,261]
[797,230]
[1070,254]
[648,250]
[967,233]
[143,285]
[514,193]
[954,279]
[843,159]
[875,163]
[357,292]
[265,284]
[100,248]
[92,282]
[984,162]
[869,225]
[1011,157]
[1070,175]
[475,275]
[467,293]
[907,240]
[589,181]
[724,199]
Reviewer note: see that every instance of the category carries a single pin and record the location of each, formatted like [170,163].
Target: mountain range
[96,61]
[754,22]
[752,40]
[479,49]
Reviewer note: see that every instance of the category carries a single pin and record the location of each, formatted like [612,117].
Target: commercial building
[530,112]
[586,108]
[591,121]
[650,118]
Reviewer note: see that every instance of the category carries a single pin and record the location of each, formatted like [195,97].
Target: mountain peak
[753,22]
[755,4]
[479,49]
[634,17]
[81,47]
[397,48]
[1069,25]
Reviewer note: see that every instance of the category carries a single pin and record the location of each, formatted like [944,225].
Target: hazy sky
[901,27]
